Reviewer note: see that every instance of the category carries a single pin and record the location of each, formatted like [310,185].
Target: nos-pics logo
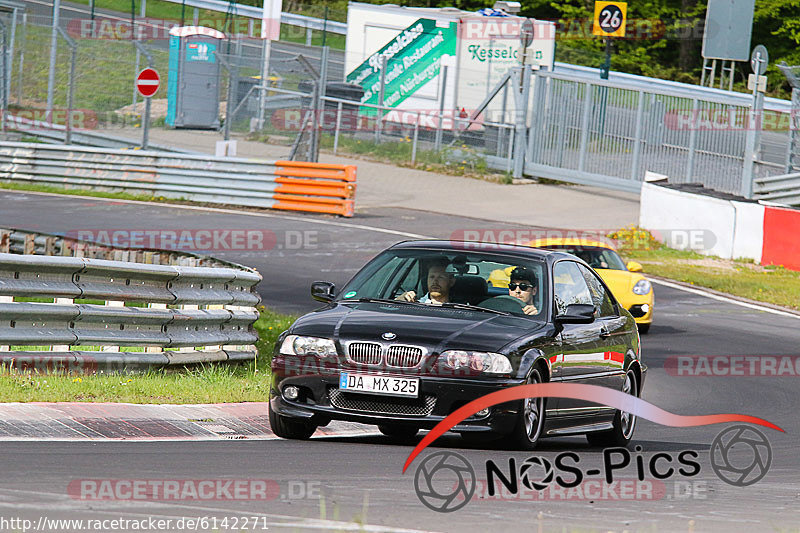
[445,481]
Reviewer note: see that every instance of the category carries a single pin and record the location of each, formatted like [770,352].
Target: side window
[600,297]
[569,286]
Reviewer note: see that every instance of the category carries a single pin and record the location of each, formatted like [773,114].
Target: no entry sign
[147,82]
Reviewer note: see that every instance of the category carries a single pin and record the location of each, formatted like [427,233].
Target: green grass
[210,383]
[14,186]
[215,19]
[772,284]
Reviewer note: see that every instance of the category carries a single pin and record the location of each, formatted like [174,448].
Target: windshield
[446,278]
[594,256]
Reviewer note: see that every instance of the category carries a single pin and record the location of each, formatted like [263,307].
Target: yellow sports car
[629,286]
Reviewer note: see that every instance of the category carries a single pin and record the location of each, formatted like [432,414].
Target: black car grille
[373,353]
[403,356]
[383,405]
[365,353]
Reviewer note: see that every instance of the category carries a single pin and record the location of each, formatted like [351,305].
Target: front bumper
[316,403]
[635,302]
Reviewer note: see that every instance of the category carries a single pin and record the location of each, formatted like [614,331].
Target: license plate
[386,385]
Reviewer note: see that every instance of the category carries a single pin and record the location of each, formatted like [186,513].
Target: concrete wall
[730,229]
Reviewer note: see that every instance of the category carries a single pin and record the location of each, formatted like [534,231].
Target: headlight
[642,287]
[487,362]
[297,345]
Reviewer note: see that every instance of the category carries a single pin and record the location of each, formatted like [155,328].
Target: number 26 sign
[609,19]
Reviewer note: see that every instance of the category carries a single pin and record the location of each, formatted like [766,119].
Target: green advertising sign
[413,59]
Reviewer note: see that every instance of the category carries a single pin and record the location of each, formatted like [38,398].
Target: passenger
[523,287]
[440,281]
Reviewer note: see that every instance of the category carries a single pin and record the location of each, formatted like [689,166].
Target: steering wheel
[504,302]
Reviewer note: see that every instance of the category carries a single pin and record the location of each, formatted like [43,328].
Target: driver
[523,287]
[440,281]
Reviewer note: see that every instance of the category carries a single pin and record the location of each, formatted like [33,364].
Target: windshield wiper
[453,305]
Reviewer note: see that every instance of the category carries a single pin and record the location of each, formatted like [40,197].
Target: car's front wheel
[624,423]
[288,428]
[530,420]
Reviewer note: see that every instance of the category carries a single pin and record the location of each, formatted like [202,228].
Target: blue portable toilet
[193,80]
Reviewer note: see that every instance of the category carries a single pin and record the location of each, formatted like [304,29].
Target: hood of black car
[435,328]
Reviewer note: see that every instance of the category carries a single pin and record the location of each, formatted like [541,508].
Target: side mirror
[323,291]
[633,266]
[577,314]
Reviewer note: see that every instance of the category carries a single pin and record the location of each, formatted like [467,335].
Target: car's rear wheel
[643,328]
[398,431]
[288,428]
[624,423]
[530,420]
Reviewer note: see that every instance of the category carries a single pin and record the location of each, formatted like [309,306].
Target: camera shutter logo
[527,476]
[445,482]
[741,455]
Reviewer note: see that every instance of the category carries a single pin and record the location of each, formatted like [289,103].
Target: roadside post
[147,82]
[756,82]
[609,22]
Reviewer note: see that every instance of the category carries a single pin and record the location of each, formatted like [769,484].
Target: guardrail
[147,315]
[285,185]
[32,243]
[783,189]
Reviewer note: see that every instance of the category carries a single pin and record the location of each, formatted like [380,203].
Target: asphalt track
[357,482]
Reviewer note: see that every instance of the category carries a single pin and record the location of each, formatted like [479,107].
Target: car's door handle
[604,333]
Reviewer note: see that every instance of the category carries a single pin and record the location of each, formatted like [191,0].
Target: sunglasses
[522,286]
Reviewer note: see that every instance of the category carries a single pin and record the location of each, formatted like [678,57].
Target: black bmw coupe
[428,326]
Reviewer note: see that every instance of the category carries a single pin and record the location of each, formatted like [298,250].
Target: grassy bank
[203,384]
[772,284]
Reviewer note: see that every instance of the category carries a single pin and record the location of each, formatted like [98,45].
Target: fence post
[637,146]
[752,144]
[692,141]
[381,93]
[416,136]
[51,72]
[23,40]
[522,121]
[73,47]
[587,111]
[338,125]
[442,94]
[4,93]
